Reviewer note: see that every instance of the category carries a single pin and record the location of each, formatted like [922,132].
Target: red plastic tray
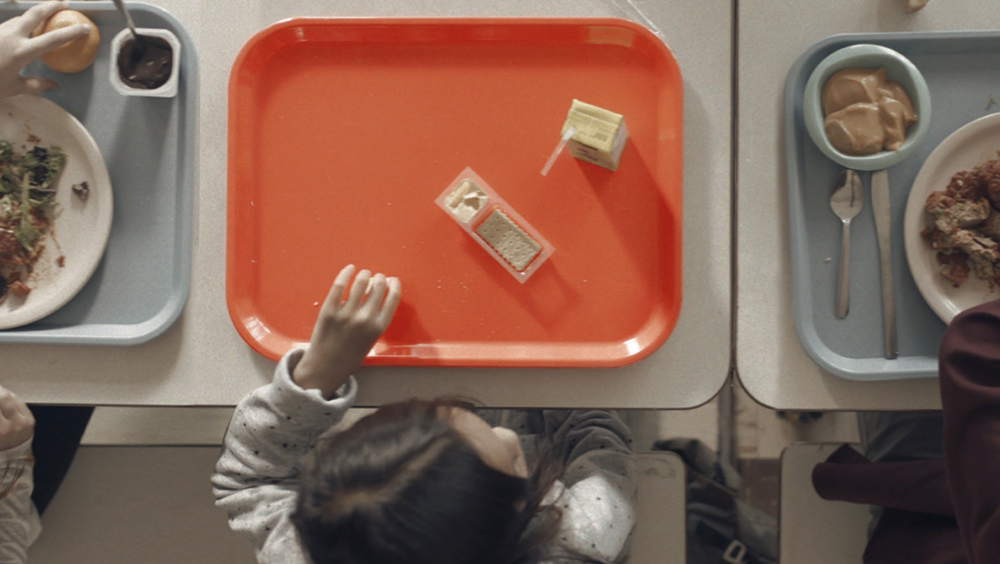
[343,131]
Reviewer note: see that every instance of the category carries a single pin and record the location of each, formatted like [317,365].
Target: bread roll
[75,55]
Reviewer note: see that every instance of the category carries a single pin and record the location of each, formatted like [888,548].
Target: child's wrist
[309,377]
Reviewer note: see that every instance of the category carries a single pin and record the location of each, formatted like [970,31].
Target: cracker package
[492,223]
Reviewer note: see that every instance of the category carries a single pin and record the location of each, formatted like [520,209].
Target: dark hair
[403,487]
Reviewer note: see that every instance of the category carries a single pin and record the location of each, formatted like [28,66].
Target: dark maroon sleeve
[970,393]
[916,526]
[917,486]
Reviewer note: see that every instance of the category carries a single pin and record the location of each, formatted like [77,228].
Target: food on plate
[12,287]
[865,112]
[82,190]
[966,226]
[27,190]
[75,55]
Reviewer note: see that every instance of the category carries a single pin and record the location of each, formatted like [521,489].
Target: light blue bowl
[899,69]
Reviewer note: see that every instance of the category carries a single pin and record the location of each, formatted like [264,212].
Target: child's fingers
[38,46]
[4,393]
[8,405]
[395,292]
[358,290]
[23,410]
[36,85]
[336,294]
[38,14]
[376,291]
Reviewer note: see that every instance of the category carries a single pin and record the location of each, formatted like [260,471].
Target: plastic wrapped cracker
[508,240]
[465,200]
[494,225]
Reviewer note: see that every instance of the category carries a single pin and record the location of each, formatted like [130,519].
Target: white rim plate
[971,145]
[80,229]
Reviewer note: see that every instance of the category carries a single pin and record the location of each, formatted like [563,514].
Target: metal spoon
[128,18]
[845,202]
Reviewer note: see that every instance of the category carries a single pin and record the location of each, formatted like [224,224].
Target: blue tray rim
[126,334]
[849,368]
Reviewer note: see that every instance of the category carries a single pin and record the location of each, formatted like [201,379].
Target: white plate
[79,231]
[971,145]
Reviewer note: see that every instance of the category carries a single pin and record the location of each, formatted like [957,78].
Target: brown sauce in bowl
[865,112]
[147,63]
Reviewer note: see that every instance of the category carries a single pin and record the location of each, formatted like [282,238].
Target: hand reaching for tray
[16,422]
[18,48]
[347,329]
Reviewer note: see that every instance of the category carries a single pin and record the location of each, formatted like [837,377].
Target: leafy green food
[27,234]
[6,151]
[8,207]
[27,186]
[25,231]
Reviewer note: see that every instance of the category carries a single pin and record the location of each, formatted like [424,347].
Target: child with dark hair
[419,481]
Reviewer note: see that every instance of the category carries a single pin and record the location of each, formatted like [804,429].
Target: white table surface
[771,363]
[201,360]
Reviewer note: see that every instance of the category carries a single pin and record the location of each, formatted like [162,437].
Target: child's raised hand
[346,329]
[16,422]
[18,48]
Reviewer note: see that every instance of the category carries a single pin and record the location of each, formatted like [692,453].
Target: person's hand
[347,329]
[16,422]
[18,48]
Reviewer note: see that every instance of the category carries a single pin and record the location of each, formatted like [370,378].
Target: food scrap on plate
[966,227]
[27,190]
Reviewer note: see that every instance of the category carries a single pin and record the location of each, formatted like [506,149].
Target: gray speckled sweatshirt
[275,426]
